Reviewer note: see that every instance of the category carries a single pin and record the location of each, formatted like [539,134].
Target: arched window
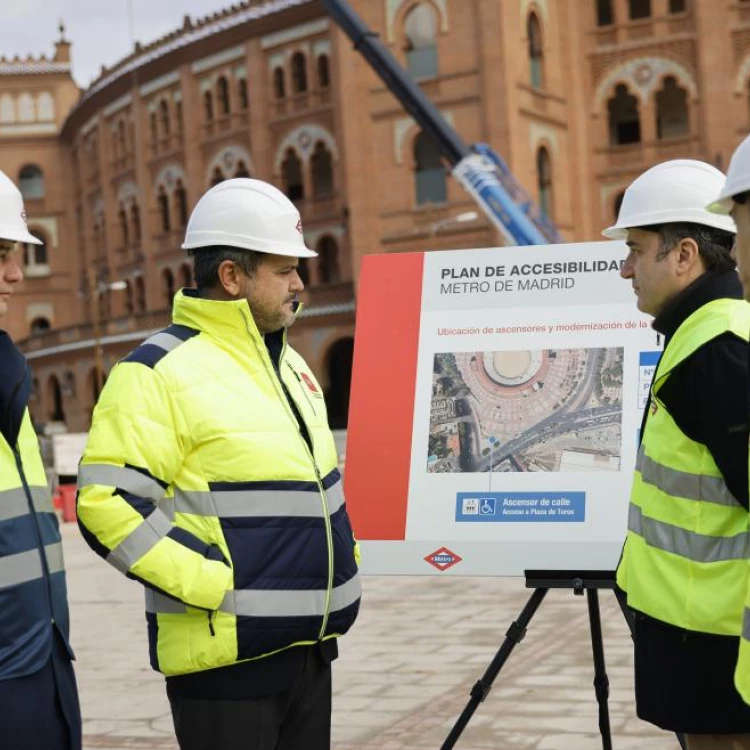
[178,116]
[672,119]
[35,257]
[339,358]
[303,270]
[39,325]
[7,108]
[299,73]
[536,53]
[163,200]
[122,216]
[429,176]
[31,181]
[45,107]
[677,6]
[55,398]
[639,9]
[154,127]
[618,203]
[164,117]
[167,280]
[420,29]
[26,108]
[180,201]
[122,137]
[291,170]
[328,260]
[208,106]
[217,176]
[321,164]
[241,170]
[135,221]
[544,180]
[222,95]
[279,83]
[115,146]
[128,298]
[604,14]
[140,294]
[242,93]
[186,275]
[324,72]
[624,119]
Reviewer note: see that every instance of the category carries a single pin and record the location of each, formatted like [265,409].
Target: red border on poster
[381,408]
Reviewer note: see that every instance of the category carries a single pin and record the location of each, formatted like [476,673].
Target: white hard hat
[250,215]
[738,179]
[669,193]
[12,214]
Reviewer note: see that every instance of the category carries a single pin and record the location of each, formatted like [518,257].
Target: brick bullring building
[579,97]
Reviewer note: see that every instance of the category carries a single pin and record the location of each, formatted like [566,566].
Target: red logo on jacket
[309,383]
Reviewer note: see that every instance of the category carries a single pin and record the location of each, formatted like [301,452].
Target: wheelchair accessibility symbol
[487,506]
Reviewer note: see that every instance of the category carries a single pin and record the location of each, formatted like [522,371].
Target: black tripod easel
[542,581]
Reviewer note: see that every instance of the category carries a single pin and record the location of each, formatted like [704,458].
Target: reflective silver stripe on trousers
[266,603]
[257,503]
[700,548]
[142,540]
[164,341]
[13,503]
[27,566]
[746,624]
[121,477]
[683,484]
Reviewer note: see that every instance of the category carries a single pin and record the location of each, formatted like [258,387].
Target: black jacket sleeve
[707,395]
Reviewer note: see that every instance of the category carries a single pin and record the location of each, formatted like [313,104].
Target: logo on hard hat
[23,215]
[299,226]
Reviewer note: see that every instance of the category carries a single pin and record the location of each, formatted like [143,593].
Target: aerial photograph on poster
[550,410]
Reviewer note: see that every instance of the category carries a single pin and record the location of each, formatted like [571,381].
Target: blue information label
[498,507]
[649,359]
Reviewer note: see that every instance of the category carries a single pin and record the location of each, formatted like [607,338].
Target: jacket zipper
[276,380]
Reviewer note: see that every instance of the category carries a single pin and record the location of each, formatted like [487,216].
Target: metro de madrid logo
[443,558]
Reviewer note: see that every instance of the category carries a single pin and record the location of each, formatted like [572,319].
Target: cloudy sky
[98,29]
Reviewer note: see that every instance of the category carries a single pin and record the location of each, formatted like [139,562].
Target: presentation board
[496,404]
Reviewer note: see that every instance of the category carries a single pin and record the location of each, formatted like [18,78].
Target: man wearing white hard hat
[38,694]
[733,199]
[684,565]
[210,476]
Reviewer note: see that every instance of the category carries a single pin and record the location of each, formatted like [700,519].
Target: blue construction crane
[481,171]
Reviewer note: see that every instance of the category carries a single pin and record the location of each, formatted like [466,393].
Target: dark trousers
[40,711]
[298,718]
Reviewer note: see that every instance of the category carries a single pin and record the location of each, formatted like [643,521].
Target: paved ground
[405,670]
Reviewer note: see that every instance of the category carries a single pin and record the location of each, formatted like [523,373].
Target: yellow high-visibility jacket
[197,481]
[685,556]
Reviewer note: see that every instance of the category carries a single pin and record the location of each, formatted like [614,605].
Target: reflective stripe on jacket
[197,481]
[685,556]
[33,596]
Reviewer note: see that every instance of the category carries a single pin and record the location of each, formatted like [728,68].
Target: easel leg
[481,689]
[601,681]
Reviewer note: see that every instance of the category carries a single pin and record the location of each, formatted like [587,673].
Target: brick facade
[578,97]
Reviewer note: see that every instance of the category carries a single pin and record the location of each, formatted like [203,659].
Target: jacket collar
[228,321]
[706,288]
